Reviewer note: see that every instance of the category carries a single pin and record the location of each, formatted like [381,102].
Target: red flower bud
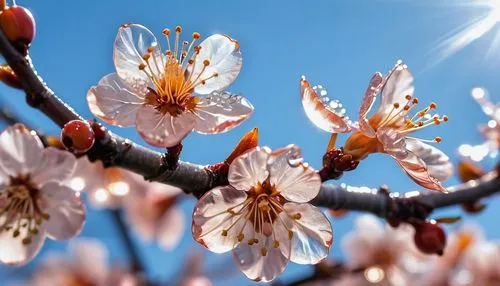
[8,77]
[77,136]
[18,24]
[430,238]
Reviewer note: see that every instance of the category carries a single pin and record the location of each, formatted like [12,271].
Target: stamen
[263,251]
[178,31]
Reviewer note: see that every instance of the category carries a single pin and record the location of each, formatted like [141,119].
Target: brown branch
[114,150]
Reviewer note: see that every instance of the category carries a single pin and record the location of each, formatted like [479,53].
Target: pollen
[142,66]
[263,251]
[445,118]
[166,32]
[224,232]
[432,105]
[241,236]
[196,35]
[178,29]
[438,139]
[408,97]
[290,234]
[150,50]
[297,216]
[396,105]
[406,108]
[415,101]
[206,62]
[276,244]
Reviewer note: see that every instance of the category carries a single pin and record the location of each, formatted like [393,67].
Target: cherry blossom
[33,202]
[388,129]
[263,215]
[153,213]
[86,264]
[168,94]
[382,251]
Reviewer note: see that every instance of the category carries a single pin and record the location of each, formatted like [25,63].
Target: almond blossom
[167,94]
[86,264]
[388,129]
[33,202]
[263,215]
[153,213]
[382,251]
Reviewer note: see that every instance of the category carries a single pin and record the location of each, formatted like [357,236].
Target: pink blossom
[388,129]
[479,265]
[33,202]
[263,215]
[168,94]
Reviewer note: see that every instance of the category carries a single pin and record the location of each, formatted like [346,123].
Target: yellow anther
[190,61]
[203,82]
[445,118]
[297,216]
[146,57]
[396,105]
[433,105]
[142,66]
[178,29]
[250,241]
[255,240]
[407,107]
[216,74]
[408,97]
[241,236]
[420,124]
[206,62]
[34,231]
[185,43]
[290,234]
[150,49]
[224,232]
[168,52]
[263,251]
[26,240]
[276,244]
[16,233]
[438,139]
[166,32]
[196,35]
[197,49]
[415,101]
[422,113]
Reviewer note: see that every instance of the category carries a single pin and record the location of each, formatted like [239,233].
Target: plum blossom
[33,202]
[479,265]
[263,215]
[388,129]
[382,251]
[153,213]
[167,94]
[86,264]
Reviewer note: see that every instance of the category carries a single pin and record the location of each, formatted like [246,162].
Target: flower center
[21,209]
[175,80]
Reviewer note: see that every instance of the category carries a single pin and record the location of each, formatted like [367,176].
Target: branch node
[335,163]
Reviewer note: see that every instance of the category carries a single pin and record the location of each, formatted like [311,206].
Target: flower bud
[9,78]
[77,136]
[18,24]
[430,238]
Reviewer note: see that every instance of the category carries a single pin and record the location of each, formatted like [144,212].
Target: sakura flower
[86,264]
[388,129]
[382,251]
[263,215]
[33,202]
[105,187]
[152,212]
[479,266]
[168,94]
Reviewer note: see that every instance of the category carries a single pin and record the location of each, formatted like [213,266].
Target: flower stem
[133,252]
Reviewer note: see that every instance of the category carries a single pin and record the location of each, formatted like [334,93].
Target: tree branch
[114,150]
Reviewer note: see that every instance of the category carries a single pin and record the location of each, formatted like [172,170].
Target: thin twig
[137,265]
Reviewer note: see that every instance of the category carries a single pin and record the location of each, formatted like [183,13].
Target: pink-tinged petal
[211,218]
[14,252]
[367,103]
[66,210]
[90,258]
[55,166]
[131,44]
[438,164]
[318,113]
[225,59]
[220,112]
[114,102]
[312,233]
[20,150]
[256,266]
[397,85]
[163,130]
[171,228]
[249,169]
[293,178]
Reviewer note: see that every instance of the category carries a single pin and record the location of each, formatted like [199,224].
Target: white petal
[131,43]
[249,169]
[210,218]
[90,257]
[220,112]
[257,267]
[312,233]
[20,150]
[163,130]
[66,210]
[321,116]
[397,85]
[14,252]
[114,102]
[295,180]
[55,166]
[438,164]
[225,59]
[171,228]
[367,102]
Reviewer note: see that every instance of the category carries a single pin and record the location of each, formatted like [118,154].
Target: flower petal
[256,266]
[211,217]
[295,180]
[312,233]
[20,150]
[66,210]
[249,169]
[438,164]
[112,101]
[221,112]
[225,59]
[14,252]
[55,166]
[318,113]
[90,258]
[131,44]
[367,103]
[171,228]
[163,130]
[397,85]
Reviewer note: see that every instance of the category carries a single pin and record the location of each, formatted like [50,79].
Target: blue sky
[338,44]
